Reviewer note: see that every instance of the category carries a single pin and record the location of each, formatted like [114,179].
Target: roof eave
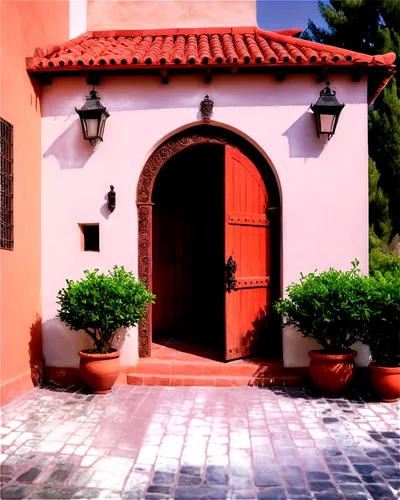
[383,80]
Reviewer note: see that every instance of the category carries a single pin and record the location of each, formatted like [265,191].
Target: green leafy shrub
[100,304]
[383,262]
[383,328]
[331,307]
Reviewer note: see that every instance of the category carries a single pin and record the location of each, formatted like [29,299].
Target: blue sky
[283,14]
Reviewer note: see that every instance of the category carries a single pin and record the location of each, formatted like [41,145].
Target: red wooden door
[247,241]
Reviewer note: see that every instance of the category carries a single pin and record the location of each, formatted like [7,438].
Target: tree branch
[94,337]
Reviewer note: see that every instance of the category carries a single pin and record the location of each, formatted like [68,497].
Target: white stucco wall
[324,185]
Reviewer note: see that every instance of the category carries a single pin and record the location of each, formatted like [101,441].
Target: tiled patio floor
[198,443]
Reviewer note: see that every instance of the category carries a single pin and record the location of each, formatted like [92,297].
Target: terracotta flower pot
[386,382]
[331,372]
[99,371]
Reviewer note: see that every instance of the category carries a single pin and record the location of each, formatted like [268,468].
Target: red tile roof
[203,47]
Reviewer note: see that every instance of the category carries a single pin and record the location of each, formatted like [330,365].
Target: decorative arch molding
[193,136]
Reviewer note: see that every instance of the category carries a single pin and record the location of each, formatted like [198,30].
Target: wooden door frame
[202,134]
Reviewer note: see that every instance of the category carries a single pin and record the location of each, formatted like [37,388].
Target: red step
[174,380]
[249,372]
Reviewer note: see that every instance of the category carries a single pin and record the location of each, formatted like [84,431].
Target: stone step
[256,369]
[214,380]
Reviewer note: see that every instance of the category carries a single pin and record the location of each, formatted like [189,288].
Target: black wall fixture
[327,111]
[111,199]
[93,116]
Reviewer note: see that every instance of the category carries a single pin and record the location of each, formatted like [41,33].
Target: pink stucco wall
[122,14]
[20,285]
[324,185]
[87,15]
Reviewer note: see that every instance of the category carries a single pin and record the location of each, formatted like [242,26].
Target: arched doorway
[205,196]
[188,247]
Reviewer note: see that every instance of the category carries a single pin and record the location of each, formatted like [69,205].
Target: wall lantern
[93,117]
[111,199]
[327,110]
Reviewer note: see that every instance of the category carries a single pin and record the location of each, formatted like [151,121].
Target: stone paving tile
[189,443]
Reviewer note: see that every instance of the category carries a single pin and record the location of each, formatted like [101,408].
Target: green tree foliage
[372,27]
[383,262]
[361,25]
[330,307]
[382,332]
[384,147]
[100,304]
[384,257]
[380,228]
[338,308]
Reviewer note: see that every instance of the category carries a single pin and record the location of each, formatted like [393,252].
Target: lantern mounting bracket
[164,76]
[92,77]
[322,74]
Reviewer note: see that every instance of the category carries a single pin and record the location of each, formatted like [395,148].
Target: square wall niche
[89,237]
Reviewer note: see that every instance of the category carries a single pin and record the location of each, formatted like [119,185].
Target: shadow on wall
[61,345]
[120,338]
[104,210]
[119,93]
[265,335]
[138,93]
[303,140]
[36,352]
[69,149]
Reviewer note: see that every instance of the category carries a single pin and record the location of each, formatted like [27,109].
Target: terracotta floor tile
[155,368]
[121,380]
[156,380]
[240,381]
[198,381]
[223,381]
[212,369]
[134,379]
[166,355]
[186,369]
[190,358]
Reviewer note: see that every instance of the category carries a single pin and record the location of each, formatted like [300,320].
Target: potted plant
[383,334]
[330,308]
[100,304]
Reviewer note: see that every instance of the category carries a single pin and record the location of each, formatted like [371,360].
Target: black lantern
[93,117]
[327,110]
[111,199]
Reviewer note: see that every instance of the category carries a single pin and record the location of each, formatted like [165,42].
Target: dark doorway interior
[188,247]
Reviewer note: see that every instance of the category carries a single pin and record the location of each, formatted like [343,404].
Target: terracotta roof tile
[196,46]
[172,48]
[204,49]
